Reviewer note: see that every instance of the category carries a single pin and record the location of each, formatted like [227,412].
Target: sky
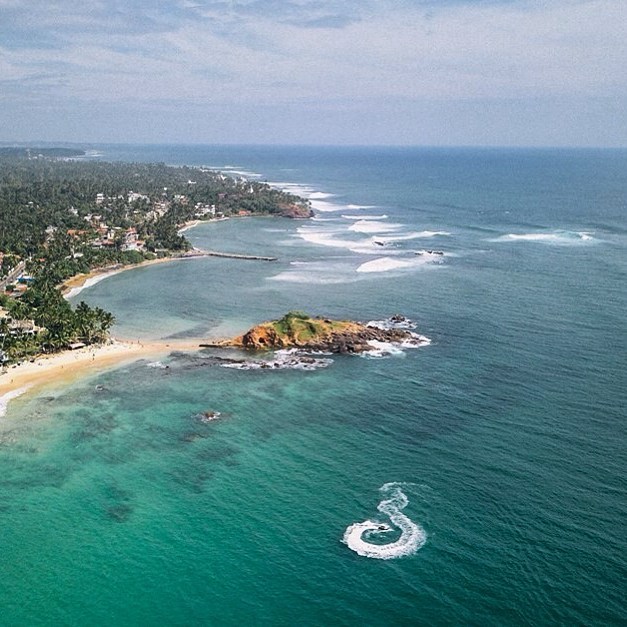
[365,72]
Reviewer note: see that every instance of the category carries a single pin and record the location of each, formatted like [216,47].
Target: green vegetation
[42,321]
[40,194]
[62,217]
[299,327]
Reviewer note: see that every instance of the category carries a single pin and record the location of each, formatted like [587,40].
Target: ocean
[476,479]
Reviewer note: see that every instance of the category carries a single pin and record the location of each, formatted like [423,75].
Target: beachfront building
[203,210]
[17,327]
[132,241]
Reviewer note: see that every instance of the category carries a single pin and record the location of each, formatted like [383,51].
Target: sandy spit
[65,367]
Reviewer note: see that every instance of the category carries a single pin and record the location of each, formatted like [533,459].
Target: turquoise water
[119,505]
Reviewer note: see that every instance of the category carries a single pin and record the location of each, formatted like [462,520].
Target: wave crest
[559,238]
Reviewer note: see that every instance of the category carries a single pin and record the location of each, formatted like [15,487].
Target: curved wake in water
[358,535]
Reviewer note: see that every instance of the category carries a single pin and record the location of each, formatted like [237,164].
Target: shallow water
[121,505]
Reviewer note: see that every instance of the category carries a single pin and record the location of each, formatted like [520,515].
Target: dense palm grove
[61,217]
[42,321]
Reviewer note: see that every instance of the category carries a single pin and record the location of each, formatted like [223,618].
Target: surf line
[412,537]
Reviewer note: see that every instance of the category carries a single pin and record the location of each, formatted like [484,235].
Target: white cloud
[332,54]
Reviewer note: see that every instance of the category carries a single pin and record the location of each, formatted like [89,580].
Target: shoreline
[190,224]
[76,284]
[68,366]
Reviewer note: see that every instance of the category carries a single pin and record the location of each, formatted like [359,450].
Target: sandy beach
[72,287]
[188,225]
[67,366]
[79,282]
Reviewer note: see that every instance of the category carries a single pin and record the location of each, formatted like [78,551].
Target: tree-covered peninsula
[61,216]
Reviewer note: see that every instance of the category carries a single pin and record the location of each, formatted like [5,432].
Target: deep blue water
[506,434]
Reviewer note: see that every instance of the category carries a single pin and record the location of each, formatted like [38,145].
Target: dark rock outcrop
[297,211]
[297,330]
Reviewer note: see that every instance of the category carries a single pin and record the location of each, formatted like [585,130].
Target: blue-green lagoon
[501,442]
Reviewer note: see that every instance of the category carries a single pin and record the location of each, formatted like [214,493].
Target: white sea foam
[361,206]
[396,322]
[388,239]
[288,359]
[383,349]
[317,273]
[9,396]
[374,226]
[381,217]
[331,235]
[394,349]
[416,341]
[157,364]
[431,234]
[310,278]
[293,188]
[324,206]
[557,238]
[412,536]
[389,264]
[326,237]
[387,349]
[209,416]
[319,195]
[245,173]
[89,282]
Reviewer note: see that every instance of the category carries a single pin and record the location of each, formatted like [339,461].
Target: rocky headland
[296,211]
[299,330]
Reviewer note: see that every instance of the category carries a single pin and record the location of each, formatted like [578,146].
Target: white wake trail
[412,537]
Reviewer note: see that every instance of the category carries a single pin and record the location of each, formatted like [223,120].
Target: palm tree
[105,320]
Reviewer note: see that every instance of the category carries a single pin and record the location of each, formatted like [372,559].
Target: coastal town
[61,216]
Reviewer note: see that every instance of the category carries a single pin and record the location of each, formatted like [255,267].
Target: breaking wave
[287,359]
[9,396]
[383,349]
[158,365]
[383,216]
[320,195]
[412,235]
[368,538]
[397,349]
[387,264]
[395,322]
[374,226]
[558,238]
[229,169]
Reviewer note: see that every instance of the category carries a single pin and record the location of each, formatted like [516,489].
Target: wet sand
[67,366]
